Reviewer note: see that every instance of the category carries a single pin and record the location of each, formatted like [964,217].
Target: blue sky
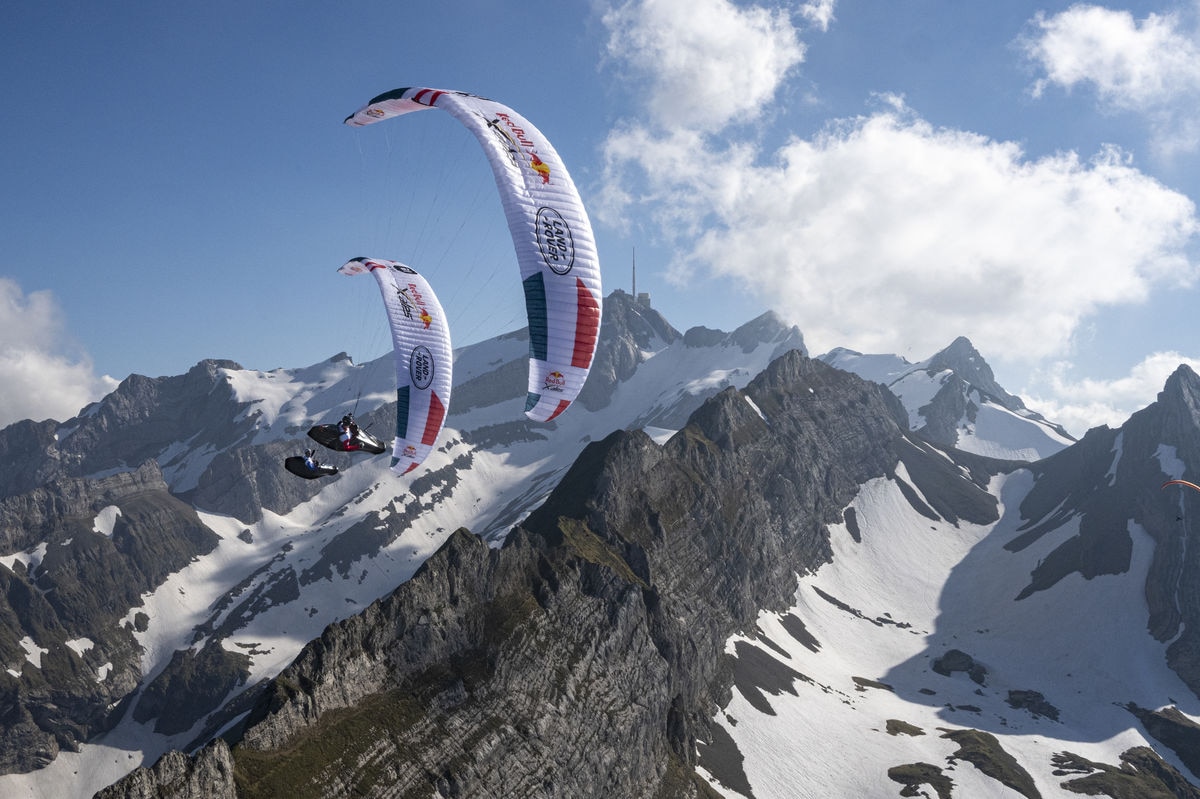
[888,175]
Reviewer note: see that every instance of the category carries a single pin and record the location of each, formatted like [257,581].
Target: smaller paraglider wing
[298,467]
[1184,483]
[328,435]
[423,356]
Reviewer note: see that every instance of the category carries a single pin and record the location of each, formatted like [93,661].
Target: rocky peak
[1181,393]
[966,384]
[625,317]
[628,329]
[768,328]
[964,360]
[1116,475]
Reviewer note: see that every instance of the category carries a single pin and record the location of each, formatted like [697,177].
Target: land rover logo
[554,240]
[420,367]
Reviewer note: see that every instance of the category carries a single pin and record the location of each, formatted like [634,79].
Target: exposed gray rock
[969,382]
[957,660]
[1142,774]
[190,686]
[206,775]
[1034,702]
[1109,480]
[585,656]
[627,330]
[84,584]
[1173,729]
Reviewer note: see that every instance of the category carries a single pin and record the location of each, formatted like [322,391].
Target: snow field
[956,587]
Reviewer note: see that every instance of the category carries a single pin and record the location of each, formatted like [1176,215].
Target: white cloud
[710,62]
[819,13]
[1151,67]
[40,378]
[886,234]
[1081,404]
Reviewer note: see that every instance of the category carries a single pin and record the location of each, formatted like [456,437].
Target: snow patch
[661,435]
[757,410]
[1118,450]
[1169,462]
[916,390]
[80,645]
[715,381]
[1001,433]
[32,559]
[923,587]
[105,520]
[33,652]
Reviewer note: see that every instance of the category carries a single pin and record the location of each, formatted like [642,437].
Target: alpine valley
[730,569]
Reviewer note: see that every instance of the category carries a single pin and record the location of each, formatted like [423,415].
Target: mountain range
[732,570]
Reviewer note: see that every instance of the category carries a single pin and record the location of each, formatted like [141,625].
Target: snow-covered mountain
[1044,652]
[953,399]
[264,561]
[219,568]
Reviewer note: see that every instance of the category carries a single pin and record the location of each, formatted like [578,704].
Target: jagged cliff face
[591,656]
[584,657]
[1111,481]
[101,543]
[586,653]
[96,512]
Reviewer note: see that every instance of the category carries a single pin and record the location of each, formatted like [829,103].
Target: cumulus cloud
[1151,66]
[1080,404]
[40,376]
[885,233]
[819,13]
[711,62]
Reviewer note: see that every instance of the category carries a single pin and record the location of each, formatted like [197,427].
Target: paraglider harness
[349,432]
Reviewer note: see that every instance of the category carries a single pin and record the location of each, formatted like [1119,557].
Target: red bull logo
[411,298]
[555,381]
[409,451]
[540,166]
[535,162]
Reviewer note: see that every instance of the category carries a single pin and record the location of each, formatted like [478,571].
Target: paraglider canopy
[551,233]
[423,356]
[1183,483]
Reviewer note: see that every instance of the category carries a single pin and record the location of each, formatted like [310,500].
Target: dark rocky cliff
[80,589]
[585,656]
[146,419]
[1110,480]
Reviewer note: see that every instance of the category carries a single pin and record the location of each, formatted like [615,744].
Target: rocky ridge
[584,657]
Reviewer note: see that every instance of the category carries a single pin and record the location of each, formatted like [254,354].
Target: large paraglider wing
[1183,483]
[298,467]
[556,251]
[424,358]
